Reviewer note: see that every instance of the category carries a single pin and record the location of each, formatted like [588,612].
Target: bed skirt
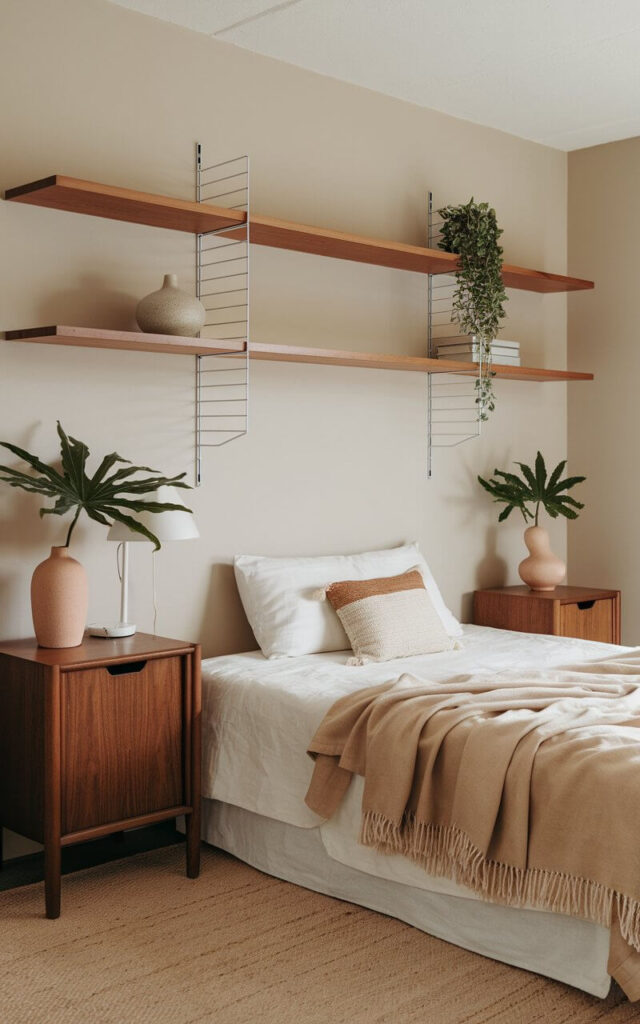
[554,945]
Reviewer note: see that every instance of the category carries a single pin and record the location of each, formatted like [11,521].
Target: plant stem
[71,526]
[537,510]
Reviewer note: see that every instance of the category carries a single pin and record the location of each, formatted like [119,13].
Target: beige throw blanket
[523,787]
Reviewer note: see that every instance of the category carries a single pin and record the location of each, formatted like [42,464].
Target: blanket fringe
[447,852]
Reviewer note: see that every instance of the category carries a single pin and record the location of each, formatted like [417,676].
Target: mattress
[258,717]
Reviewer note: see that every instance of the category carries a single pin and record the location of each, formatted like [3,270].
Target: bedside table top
[565,595]
[96,649]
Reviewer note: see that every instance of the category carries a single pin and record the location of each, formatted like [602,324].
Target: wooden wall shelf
[87,337]
[417,364]
[61,193]
[282,234]
[71,194]
[133,341]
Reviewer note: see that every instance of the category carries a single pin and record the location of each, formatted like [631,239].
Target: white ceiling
[562,72]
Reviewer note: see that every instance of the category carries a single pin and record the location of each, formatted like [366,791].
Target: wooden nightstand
[566,611]
[97,739]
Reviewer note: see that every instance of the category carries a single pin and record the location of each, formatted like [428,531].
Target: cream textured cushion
[279,596]
[391,617]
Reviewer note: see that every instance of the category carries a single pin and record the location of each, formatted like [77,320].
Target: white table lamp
[167,526]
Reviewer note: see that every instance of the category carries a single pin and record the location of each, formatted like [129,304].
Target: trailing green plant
[533,488]
[103,497]
[471,231]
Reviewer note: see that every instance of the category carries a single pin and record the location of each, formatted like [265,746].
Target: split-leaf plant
[533,490]
[105,497]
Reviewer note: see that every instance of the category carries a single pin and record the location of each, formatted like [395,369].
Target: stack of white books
[467,350]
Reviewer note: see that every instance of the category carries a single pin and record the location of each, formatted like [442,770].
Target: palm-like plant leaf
[567,484]
[541,474]
[555,476]
[530,477]
[102,496]
[533,488]
[74,456]
[133,524]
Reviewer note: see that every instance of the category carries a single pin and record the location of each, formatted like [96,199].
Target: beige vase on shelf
[59,600]
[542,570]
[170,310]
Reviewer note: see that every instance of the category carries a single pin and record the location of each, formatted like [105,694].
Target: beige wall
[604,333]
[335,460]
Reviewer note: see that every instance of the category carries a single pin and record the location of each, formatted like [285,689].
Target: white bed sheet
[259,714]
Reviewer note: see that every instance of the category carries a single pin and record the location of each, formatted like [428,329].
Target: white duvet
[259,715]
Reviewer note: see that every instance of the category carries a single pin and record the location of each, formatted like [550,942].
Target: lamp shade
[169,525]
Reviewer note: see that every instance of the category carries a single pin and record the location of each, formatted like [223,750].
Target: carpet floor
[138,943]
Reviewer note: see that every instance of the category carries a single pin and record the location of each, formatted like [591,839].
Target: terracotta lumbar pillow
[389,617]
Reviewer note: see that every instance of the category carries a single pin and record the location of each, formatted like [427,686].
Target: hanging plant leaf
[471,231]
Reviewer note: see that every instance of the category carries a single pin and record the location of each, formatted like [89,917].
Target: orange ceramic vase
[59,600]
[542,570]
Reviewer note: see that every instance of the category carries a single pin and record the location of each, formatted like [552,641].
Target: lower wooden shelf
[141,342]
[134,341]
[417,364]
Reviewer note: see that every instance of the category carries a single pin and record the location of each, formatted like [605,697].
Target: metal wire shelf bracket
[222,285]
[452,410]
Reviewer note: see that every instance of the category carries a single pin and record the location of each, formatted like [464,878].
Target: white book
[474,357]
[512,347]
[497,353]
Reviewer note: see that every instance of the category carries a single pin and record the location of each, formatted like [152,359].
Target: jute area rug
[138,943]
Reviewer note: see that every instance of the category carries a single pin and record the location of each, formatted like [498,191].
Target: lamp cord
[153,578]
[118,550]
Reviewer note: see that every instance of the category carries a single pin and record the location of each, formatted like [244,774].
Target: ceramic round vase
[170,310]
[59,600]
[542,570]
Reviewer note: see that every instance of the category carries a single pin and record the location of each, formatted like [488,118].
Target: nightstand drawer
[583,612]
[122,741]
[589,620]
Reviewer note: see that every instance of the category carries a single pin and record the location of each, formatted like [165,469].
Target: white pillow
[280,597]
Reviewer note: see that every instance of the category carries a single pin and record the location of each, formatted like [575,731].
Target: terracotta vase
[542,570]
[170,310]
[59,600]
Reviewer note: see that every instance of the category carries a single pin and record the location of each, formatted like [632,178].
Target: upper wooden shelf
[78,196]
[139,342]
[283,234]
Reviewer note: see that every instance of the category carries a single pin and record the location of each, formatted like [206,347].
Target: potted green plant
[530,492]
[59,590]
[471,230]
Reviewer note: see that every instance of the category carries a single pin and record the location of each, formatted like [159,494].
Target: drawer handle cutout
[585,605]
[125,667]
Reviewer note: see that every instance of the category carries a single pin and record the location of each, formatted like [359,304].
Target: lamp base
[112,632]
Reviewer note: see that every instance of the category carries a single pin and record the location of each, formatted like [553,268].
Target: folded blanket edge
[447,852]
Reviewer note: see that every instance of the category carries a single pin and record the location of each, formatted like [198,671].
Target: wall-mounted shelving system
[231,222]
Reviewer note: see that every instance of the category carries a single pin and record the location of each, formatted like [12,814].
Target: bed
[258,717]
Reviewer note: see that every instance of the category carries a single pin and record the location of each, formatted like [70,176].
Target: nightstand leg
[193,821]
[52,794]
[52,879]
[193,844]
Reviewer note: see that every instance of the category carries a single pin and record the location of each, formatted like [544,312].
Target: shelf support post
[222,285]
